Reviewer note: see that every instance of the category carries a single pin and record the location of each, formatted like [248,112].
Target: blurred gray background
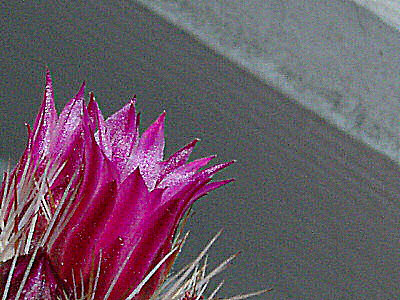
[314,212]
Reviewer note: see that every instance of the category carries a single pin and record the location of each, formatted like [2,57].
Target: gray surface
[387,10]
[314,212]
[334,57]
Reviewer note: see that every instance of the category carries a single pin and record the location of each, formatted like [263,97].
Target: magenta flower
[92,208]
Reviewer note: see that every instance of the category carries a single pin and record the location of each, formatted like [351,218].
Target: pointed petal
[210,187]
[150,152]
[45,122]
[123,121]
[184,172]
[123,130]
[177,159]
[152,140]
[69,124]
[102,136]
[93,112]
[209,172]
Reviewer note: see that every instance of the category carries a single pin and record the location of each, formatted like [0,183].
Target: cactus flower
[92,207]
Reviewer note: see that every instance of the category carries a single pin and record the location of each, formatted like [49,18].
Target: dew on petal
[99,201]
